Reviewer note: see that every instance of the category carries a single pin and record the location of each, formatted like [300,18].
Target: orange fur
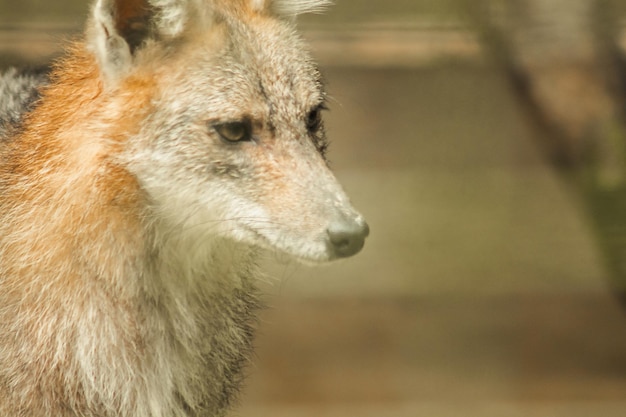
[64,176]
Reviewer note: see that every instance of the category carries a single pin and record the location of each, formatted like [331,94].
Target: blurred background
[485,142]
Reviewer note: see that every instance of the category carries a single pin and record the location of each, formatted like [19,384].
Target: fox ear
[118,28]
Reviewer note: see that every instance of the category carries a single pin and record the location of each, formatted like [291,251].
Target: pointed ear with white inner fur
[119,28]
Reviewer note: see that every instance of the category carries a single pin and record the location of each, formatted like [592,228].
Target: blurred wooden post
[563,58]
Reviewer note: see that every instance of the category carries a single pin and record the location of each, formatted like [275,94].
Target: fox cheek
[225,169]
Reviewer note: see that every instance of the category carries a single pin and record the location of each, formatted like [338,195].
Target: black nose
[347,237]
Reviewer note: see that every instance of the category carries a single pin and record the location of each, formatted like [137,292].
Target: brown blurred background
[484,141]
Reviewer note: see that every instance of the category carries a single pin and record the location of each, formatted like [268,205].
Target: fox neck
[204,306]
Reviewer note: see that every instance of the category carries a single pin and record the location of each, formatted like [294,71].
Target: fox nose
[347,236]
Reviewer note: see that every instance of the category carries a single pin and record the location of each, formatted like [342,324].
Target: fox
[142,178]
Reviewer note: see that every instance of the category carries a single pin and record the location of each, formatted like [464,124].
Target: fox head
[233,142]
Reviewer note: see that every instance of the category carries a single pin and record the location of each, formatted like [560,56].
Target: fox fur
[139,181]
[18,92]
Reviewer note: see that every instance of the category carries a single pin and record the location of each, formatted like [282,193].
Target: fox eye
[240,131]
[314,119]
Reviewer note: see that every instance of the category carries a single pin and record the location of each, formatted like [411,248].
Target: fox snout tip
[346,236]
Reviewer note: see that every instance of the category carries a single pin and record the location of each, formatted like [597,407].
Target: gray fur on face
[19,90]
